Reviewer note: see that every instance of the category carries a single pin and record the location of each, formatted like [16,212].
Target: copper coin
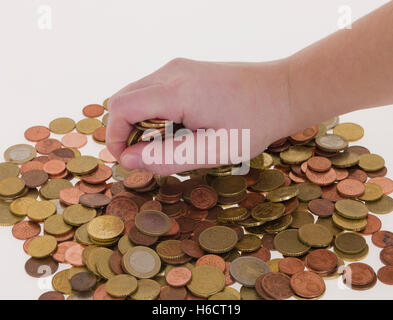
[70,196]
[31,165]
[307,284]
[37,133]
[65,237]
[262,253]
[203,197]
[171,293]
[290,205]
[297,170]
[26,244]
[341,174]
[228,277]
[358,174]
[139,238]
[101,294]
[40,268]
[51,295]
[93,110]
[305,135]
[192,248]
[385,275]
[94,200]
[151,205]
[330,193]
[322,178]
[290,266]
[268,241]
[277,285]
[196,214]
[74,140]
[319,164]
[122,207]
[186,224]
[211,260]
[386,256]
[174,230]
[54,167]
[351,188]
[178,276]
[358,149]
[380,173]
[63,154]
[322,260]
[42,159]
[297,179]
[83,281]
[115,262]
[25,230]
[252,200]
[91,188]
[35,178]
[138,179]
[260,289]
[73,255]
[373,225]
[106,156]
[385,183]
[252,177]
[59,254]
[321,207]
[382,239]
[358,274]
[99,134]
[46,146]
[102,174]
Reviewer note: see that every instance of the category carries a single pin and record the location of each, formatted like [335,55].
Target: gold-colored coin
[11,186]
[381,206]
[268,211]
[82,165]
[124,244]
[19,206]
[300,218]
[269,180]
[42,246]
[229,186]
[349,224]
[61,283]
[41,210]
[308,191]
[352,257]
[77,214]
[218,239]
[20,153]
[56,226]
[250,222]
[278,225]
[262,161]
[350,242]
[288,244]
[283,194]
[51,189]
[148,289]
[273,264]
[7,218]
[105,119]
[82,236]
[371,162]
[102,265]
[121,285]
[105,227]
[249,243]
[62,125]
[223,295]
[119,173]
[233,214]
[350,131]
[105,104]
[8,169]
[373,192]
[88,125]
[134,136]
[32,193]
[351,209]
[248,293]
[328,223]
[206,281]
[315,235]
[93,255]
[296,155]
[170,249]
[345,159]
[331,123]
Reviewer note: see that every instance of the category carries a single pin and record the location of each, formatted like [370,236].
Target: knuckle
[114,103]
[178,62]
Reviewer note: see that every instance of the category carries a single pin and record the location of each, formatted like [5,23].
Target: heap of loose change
[121,234]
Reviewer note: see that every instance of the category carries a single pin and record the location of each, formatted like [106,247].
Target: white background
[95,47]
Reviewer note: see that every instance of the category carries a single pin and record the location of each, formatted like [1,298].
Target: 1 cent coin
[307,284]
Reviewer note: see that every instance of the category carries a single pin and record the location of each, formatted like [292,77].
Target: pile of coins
[120,234]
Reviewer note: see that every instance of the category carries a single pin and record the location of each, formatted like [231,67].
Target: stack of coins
[280,231]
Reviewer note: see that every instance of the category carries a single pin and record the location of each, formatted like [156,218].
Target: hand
[203,95]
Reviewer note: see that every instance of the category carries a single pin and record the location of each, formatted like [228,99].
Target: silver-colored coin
[20,153]
[331,123]
[331,143]
[246,270]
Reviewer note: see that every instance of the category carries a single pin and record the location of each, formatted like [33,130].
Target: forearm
[349,70]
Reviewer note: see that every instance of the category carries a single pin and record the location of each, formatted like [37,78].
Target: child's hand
[203,95]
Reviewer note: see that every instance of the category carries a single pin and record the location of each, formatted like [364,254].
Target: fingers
[128,108]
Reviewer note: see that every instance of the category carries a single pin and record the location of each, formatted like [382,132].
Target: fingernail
[131,161]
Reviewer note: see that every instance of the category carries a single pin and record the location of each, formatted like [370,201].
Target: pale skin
[350,70]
